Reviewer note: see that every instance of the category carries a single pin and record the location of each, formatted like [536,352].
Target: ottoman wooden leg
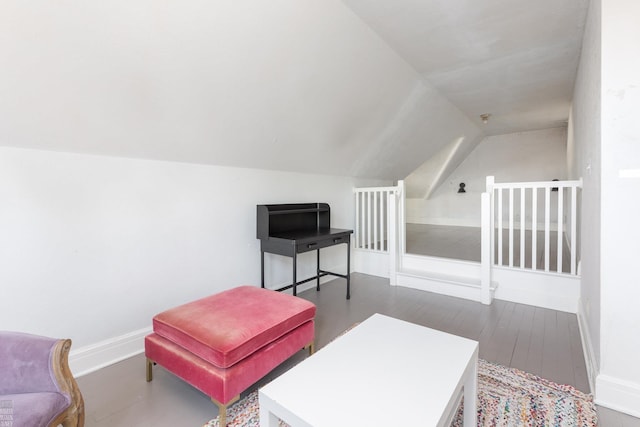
[149,369]
[222,410]
[311,346]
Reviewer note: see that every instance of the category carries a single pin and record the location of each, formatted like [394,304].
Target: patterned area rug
[506,397]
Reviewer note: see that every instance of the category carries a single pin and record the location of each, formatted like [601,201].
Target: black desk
[290,229]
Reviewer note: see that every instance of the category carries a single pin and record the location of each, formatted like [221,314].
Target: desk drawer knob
[310,245]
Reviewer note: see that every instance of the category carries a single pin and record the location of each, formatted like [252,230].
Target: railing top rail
[538,184]
[374,189]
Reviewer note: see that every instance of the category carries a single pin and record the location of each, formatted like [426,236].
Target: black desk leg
[348,268]
[318,270]
[262,268]
[295,280]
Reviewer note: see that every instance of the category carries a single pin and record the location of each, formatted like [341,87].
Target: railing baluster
[375,221]
[385,223]
[363,220]
[547,222]
[359,220]
[523,193]
[485,248]
[511,227]
[381,220]
[560,227]
[379,235]
[500,215]
[393,239]
[574,227]
[369,220]
[383,236]
[380,199]
[357,224]
[534,228]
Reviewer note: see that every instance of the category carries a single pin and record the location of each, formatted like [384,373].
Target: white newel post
[574,226]
[392,227]
[402,223]
[486,256]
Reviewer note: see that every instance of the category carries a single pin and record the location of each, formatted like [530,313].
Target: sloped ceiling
[423,181]
[513,59]
[293,85]
[286,85]
[283,85]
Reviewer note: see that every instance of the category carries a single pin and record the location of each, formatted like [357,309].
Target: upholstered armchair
[37,388]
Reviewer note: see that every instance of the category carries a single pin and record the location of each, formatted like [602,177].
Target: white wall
[92,247]
[618,383]
[526,156]
[606,153]
[584,160]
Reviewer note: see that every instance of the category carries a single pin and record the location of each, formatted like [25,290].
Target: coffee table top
[384,371]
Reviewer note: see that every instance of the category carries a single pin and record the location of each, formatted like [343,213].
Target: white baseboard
[610,392]
[587,347]
[459,287]
[549,290]
[104,353]
[373,263]
[617,394]
[442,266]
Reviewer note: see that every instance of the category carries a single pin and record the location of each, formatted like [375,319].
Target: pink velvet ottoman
[224,343]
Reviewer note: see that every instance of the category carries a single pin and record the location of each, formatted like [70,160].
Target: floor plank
[509,337]
[521,347]
[536,345]
[565,364]
[579,365]
[550,351]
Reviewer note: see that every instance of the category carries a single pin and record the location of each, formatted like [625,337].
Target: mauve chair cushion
[227,327]
[25,363]
[35,409]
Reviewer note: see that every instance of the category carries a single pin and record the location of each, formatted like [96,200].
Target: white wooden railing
[540,217]
[523,210]
[376,222]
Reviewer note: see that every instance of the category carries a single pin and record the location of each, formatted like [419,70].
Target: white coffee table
[384,372]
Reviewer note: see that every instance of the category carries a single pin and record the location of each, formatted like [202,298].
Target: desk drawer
[322,243]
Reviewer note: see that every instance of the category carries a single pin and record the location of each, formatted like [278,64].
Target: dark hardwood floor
[463,243]
[540,341]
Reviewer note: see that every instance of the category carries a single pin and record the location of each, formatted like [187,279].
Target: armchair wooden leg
[74,415]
